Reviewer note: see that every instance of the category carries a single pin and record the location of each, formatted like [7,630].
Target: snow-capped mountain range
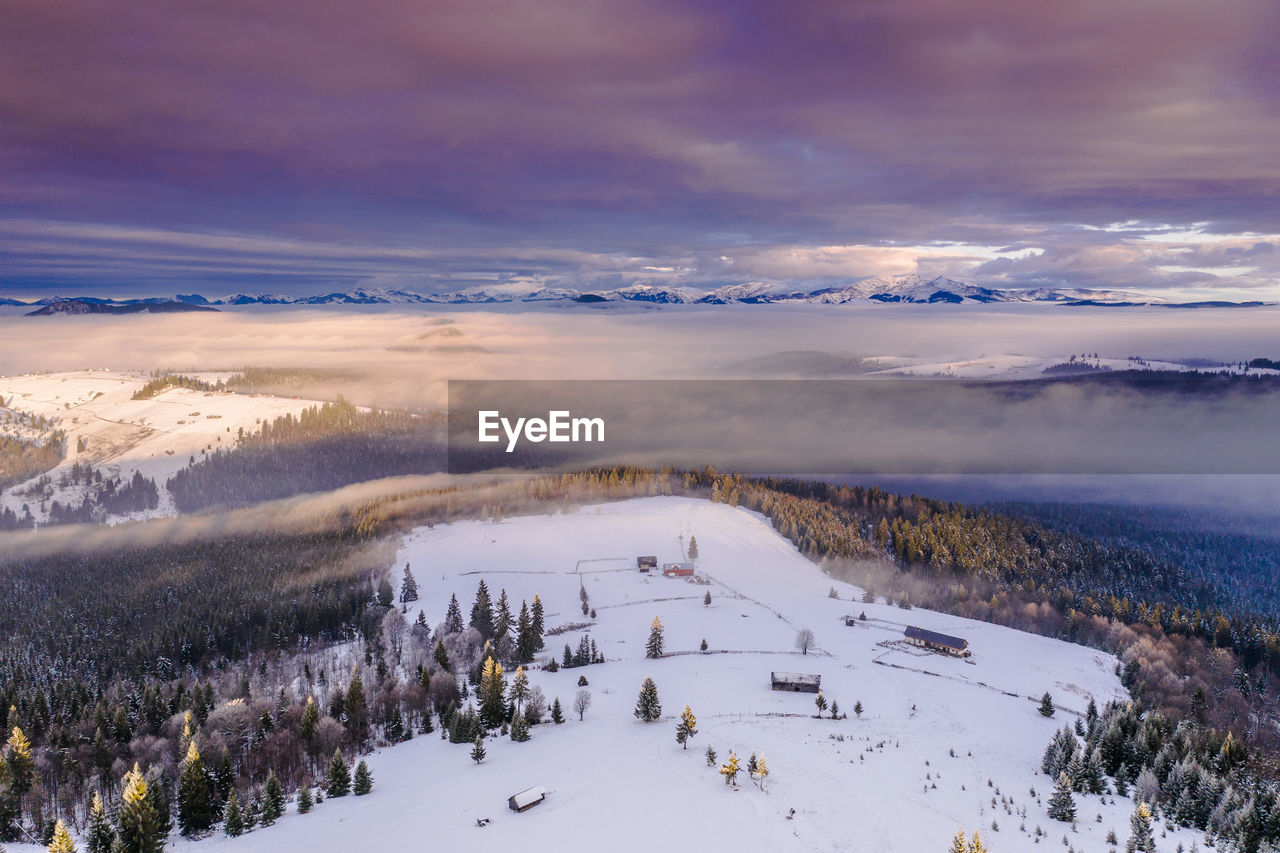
[911,288]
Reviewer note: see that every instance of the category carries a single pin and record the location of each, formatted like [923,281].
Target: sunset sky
[303,146]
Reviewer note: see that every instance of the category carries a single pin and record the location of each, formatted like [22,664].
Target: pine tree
[959,844]
[538,623]
[272,800]
[357,709]
[477,751]
[706,599]
[21,767]
[976,845]
[835,710]
[493,707]
[442,657]
[502,619]
[338,779]
[100,834]
[364,779]
[762,771]
[310,723]
[519,689]
[753,764]
[1140,837]
[858,709]
[1062,806]
[408,587]
[729,770]
[693,547]
[557,712]
[195,795]
[234,824]
[686,728]
[519,728]
[482,612]
[711,755]
[525,640]
[653,648]
[1046,705]
[61,841]
[453,619]
[648,708]
[304,799]
[139,824]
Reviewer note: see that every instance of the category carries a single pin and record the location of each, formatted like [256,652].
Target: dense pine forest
[324,448]
[247,634]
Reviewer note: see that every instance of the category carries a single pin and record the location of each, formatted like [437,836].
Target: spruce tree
[234,824]
[1062,806]
[305,802]
[20,765]
[453,619]
[442,657]
[1046,705]
[557,712]
[729,770]
[502,620]
[357,709]
[653,648]
[519,689]
[538,624]
[272,800]
[706,599]
[100,834]
[959,844]
[1140,838]
[477,751]
[648,708]
[686,728]
[195,795]
[408,587]
[310,723]
[338,779]
[693,547]
[493,707]
[525,640]
[858,709]
[482,612]
[711,755]
[364,779]
[139,824]
[519,728]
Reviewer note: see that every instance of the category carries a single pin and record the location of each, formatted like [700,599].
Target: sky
[302,147]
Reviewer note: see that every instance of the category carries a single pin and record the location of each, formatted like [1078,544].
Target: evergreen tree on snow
[686,728]
[526,643]
[482,612]
[762,771]
[538,623]
[502,620]
[442,657]
[272,800]
[453,618]
[234,824]
[477,751]
[408,586]
[706,599]
[820,702]
[305,802]
[363,783]
[648,708]
[753,764]
[519,689]
[493,706]
[711,755]
[195,794]
[557,712]
[139,824]
[338,778]
[653,648]
[858,709]
[310,723]
[61,841]
[519,728]
[357,709]
[959,844]
[1046,705]
[1140,838]
[693,547]
[100,835]
[1062,806]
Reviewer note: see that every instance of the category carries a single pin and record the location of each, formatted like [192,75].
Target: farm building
[644,564]
[526,799]
[678,570]
[795,682]
[936,642]
[850,621]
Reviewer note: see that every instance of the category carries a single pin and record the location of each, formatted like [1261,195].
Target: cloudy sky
[302,146]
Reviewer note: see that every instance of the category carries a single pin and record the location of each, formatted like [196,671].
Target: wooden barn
[935,642]
[526,799]
[678,570]
[644,564]
[795,682]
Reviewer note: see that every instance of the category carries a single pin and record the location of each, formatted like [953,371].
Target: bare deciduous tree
[581,702]
[804,640]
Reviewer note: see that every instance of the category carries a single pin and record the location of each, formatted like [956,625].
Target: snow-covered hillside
[942,743]
[157,436]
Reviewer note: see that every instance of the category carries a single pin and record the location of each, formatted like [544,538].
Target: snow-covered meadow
[938,740]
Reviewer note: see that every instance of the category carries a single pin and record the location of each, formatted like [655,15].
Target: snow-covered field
[157,436]
[1012,366]
[939,738]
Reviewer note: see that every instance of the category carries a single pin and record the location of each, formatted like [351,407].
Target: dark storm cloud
[620,136]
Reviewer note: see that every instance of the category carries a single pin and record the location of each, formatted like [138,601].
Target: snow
[157,436]
[615,783]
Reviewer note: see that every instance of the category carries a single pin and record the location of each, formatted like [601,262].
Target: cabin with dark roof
[644,564]
[935,642]
[795,682]
[526,799]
